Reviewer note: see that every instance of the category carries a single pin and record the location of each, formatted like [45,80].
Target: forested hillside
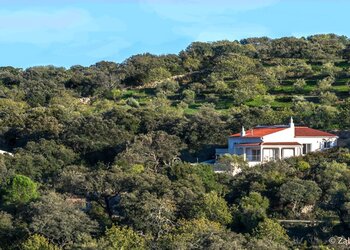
[104,157]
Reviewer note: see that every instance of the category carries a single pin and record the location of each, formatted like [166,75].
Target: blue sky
[68,32]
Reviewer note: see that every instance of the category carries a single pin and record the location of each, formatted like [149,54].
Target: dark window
[306,148]
[255,154]
[326,144]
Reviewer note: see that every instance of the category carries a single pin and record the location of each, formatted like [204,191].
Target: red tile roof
[299,132]
[268,144]
[305,131]
[281,143]
[259,132]
[248,144]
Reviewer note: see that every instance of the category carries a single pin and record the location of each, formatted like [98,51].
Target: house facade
[268,143]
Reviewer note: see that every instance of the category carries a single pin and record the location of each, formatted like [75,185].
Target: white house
[2,152]
[266,143]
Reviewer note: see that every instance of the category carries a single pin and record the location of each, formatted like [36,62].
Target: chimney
[243,131]
[291,123]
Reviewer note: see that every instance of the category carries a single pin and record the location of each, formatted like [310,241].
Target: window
[306,148]
[270,154]
[255,154]
[288,152]
[326,144]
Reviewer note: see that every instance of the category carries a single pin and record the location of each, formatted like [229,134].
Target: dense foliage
[105,157]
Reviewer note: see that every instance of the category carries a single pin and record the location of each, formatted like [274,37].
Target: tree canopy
[115,155]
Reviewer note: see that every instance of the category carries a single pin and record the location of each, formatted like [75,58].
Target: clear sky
[69,32]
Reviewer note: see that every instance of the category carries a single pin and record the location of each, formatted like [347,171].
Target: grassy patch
[190,111]
[281,102]
[341,89]
[343,64]
[256,102]
[283,89]
[137,94]
[224,104]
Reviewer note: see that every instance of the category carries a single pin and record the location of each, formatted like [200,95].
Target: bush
[188,96]
[303,165]
[299,85]
[328,98]
[132,102]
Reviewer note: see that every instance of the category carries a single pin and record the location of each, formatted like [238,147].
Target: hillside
[103,156]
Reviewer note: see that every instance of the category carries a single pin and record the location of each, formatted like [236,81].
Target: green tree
[271,230]
[215,209]
[234,66]
[197,55]
[333,179]
[121,238]
[94,136]
[153,150]
[43,159]
[299,193]
[168,87]
[7,230]
[221,87]
[20,190]
[299,85]
[328,98]
[157,74]
[59,220]
[325,84]
[38,242]
[188,96]
[201,234]
[298,68]
[325,117]
[146,212]
[327,46]
[328,69]
[204,128]
[289,47]
[41,123]
[279,72]
[246,87]
[344,110]
[145,68]
[251,210]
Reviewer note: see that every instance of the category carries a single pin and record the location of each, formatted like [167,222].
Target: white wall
[316,142]
[286,135]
